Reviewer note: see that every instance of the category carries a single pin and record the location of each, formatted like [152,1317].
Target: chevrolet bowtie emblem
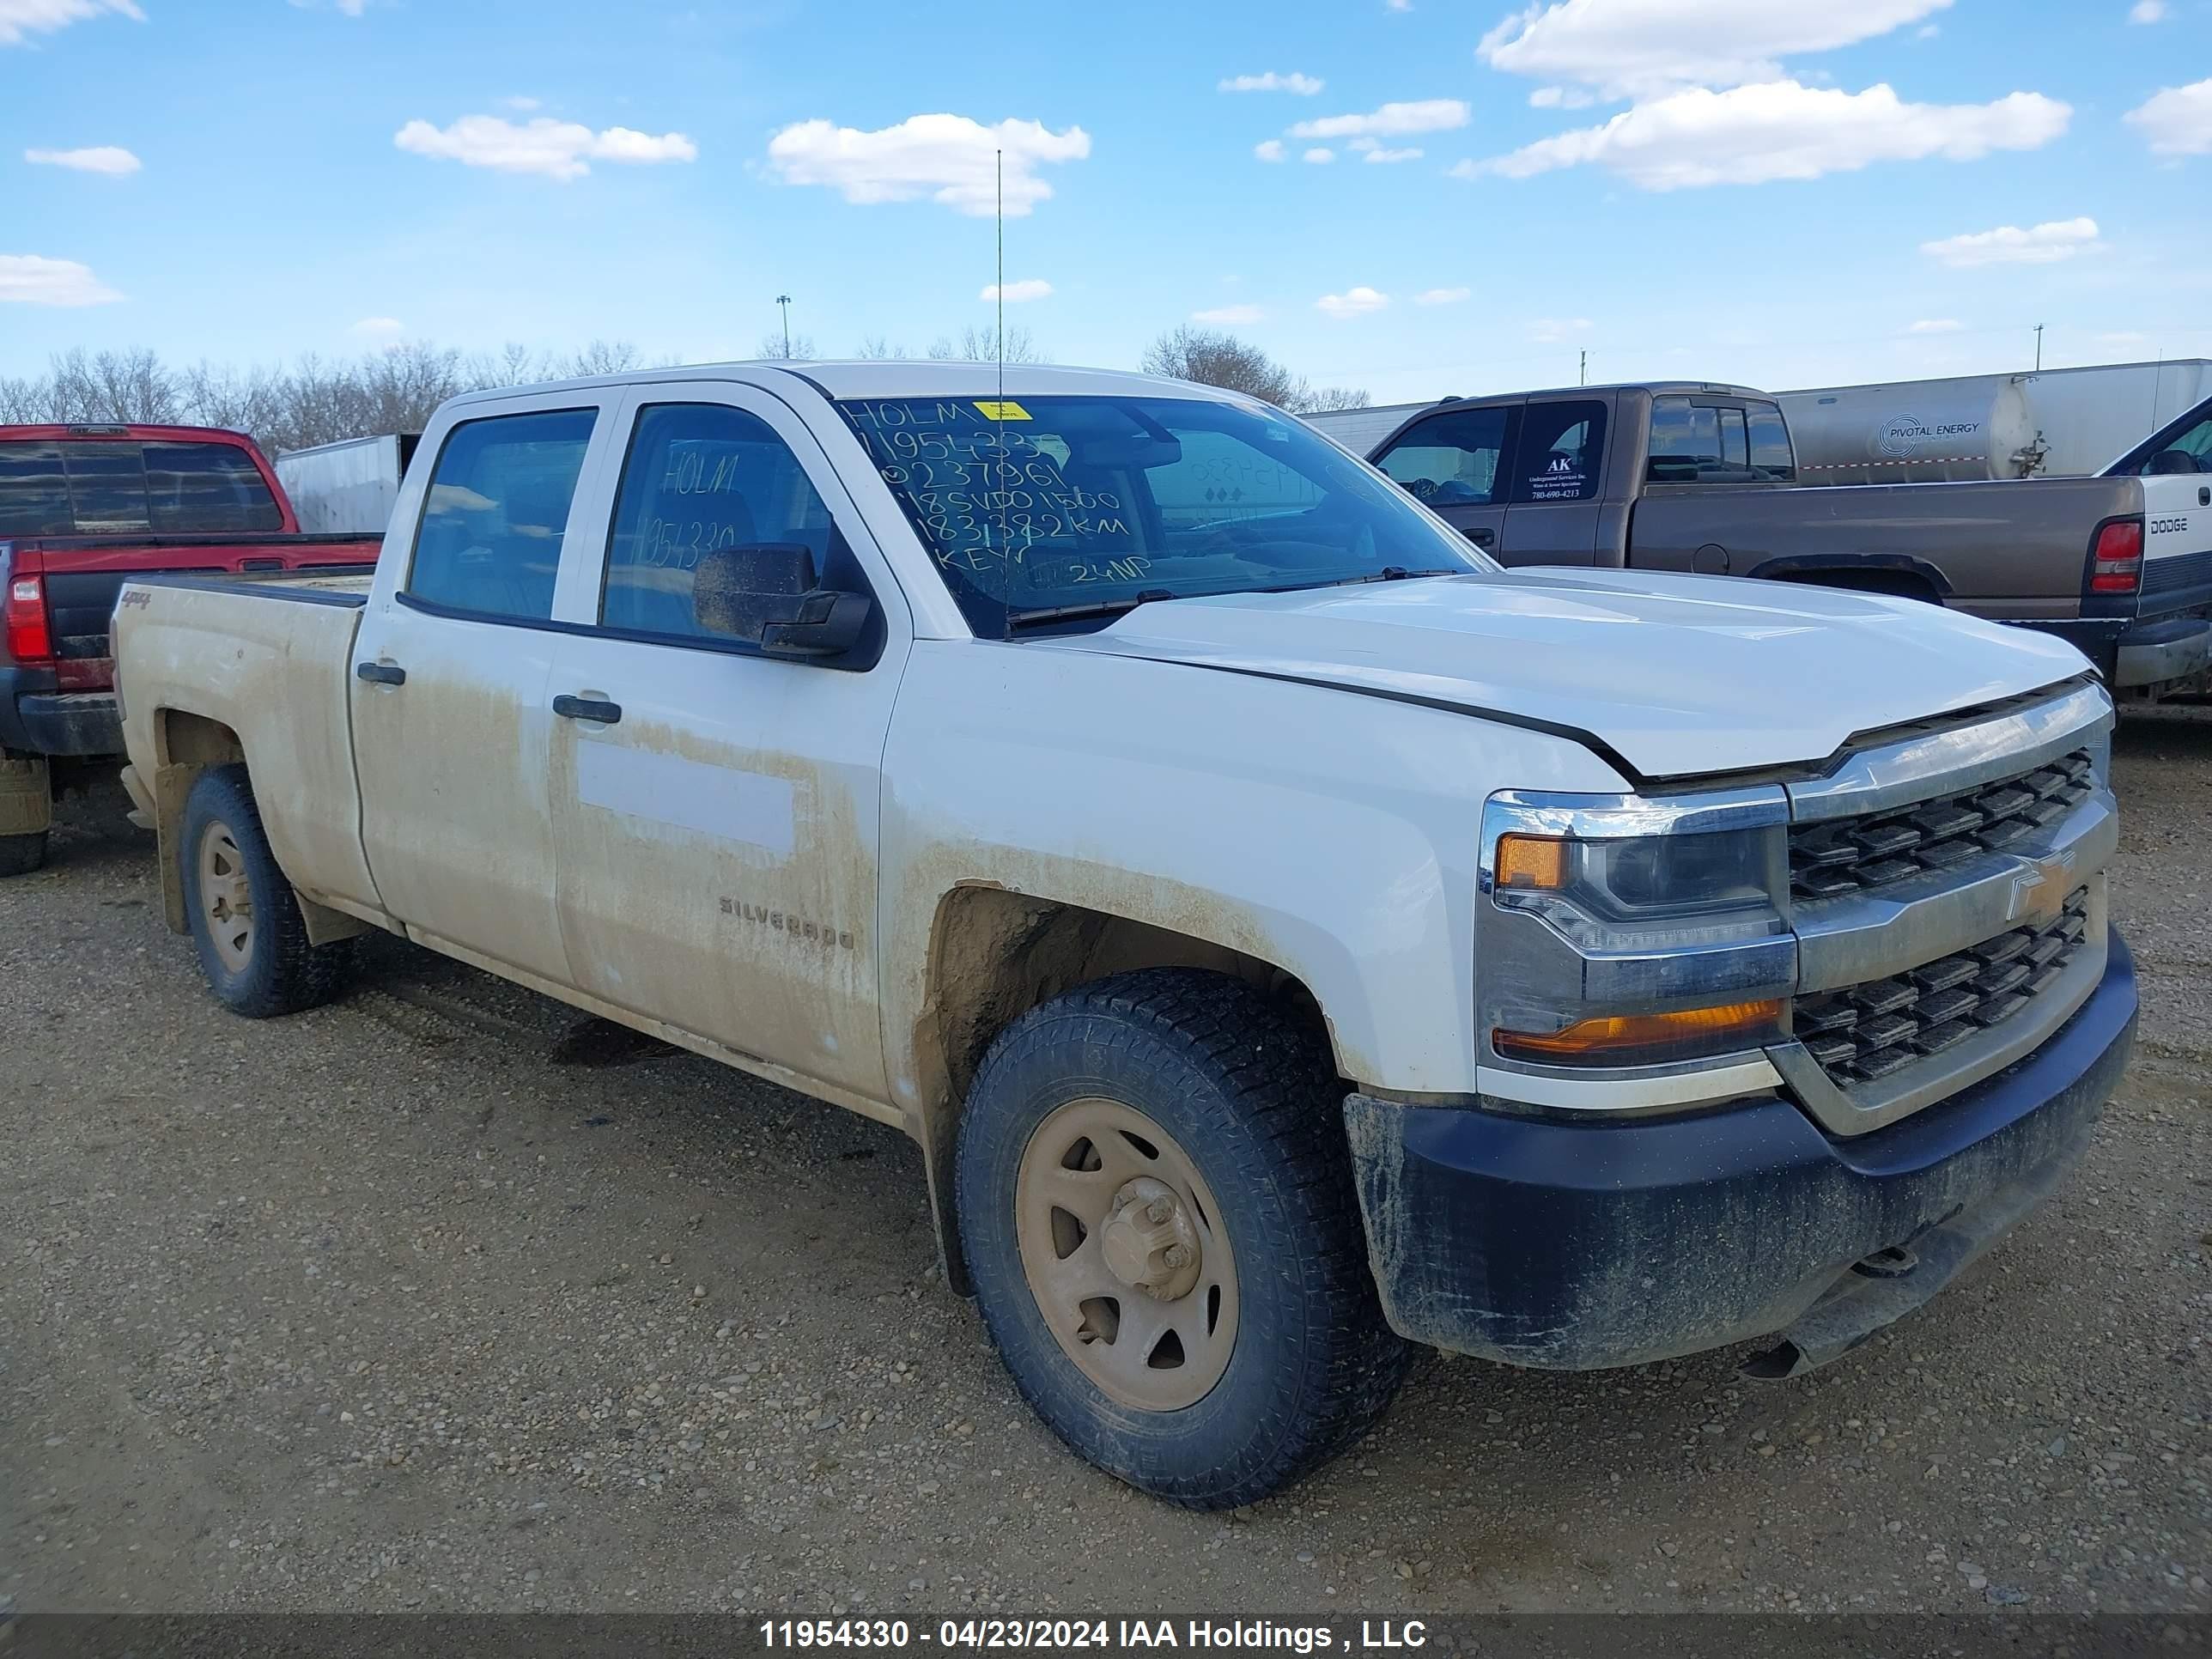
[2040,890]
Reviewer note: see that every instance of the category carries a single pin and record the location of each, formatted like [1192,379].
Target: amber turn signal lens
[1532,861]
[1624,1039]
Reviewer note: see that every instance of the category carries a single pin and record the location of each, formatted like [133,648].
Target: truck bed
[2011,550]
[269,660]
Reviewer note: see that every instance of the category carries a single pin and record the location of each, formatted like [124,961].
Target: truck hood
[1677,675]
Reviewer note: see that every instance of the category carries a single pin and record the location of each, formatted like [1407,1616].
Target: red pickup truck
[83,510]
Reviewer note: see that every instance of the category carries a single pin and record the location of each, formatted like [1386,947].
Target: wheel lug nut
[1178,1256]
[1159,1213]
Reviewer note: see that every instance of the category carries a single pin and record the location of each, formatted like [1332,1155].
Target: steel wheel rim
[226,897]
[1150,1330]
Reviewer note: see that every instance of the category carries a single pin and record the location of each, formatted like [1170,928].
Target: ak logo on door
[796,929]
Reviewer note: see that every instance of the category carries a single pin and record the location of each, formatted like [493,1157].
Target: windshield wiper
[1053,613]
[1388,572]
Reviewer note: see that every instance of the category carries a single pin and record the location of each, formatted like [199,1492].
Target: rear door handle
[587,708]
[1482,538]
[381,673]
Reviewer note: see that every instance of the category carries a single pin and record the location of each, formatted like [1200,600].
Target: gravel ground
[424,1301]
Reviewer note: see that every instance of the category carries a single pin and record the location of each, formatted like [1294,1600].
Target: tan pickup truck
[1290,937]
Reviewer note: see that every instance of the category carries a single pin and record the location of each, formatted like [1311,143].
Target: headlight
[1620,934]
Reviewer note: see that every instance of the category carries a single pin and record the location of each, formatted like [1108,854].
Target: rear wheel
[245,922]
[26,807]
[1157,1209]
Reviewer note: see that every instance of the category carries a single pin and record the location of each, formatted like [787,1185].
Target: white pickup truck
[1290,937]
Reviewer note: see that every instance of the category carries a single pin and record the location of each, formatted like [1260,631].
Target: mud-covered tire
[1246,1092]
[21,855]
[278,971]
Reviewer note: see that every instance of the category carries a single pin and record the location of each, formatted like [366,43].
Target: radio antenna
[999,408]
[999,291]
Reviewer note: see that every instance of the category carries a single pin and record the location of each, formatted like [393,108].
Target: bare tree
[802,348]
[1212,356]
[981,345]
[874,347]
[600,357]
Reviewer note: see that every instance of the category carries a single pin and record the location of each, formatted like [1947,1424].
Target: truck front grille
[1866,1032]
[1848,855]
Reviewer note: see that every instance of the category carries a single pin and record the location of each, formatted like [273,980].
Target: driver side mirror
[767,593]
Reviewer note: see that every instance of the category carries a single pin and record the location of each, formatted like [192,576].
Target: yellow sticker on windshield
[1006,410]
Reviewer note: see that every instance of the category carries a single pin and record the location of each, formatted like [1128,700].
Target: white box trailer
[348,487]
[2058,422]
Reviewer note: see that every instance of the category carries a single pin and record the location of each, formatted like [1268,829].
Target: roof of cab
[896,378]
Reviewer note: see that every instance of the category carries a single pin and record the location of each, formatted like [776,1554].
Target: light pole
[784,301]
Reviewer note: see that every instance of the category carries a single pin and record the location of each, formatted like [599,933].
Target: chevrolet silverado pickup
[82,509]
[1702,478]
[1290,937]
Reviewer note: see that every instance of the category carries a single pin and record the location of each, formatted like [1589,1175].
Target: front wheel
[245,921]
[1157,1208]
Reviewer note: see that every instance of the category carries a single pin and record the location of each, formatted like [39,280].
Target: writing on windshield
[1042,502]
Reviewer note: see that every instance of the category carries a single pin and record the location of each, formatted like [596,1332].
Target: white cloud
[1557,331]
[1228,316]
[1374,149]
[1560,98]
[2176,120]
[946,158]
[1935,325]
[21,19]
[1320,155]
[1388,121]
[1398,5]
[558,149]
[1441,296]
[525,105]
[1353,302]
[2126,336]
[116,163]
[1269,149]
[27,279]
[2008,244]
[1782,129]
[2149,11]
[380,328]
[1631,48]
[1029,287]
[1304,85]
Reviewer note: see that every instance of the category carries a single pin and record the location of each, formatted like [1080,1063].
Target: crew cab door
[715,808]
[1454,463]
[452,728]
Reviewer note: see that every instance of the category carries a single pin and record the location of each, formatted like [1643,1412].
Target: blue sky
[1827,190]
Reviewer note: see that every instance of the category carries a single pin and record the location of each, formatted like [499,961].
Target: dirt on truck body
[1289,937]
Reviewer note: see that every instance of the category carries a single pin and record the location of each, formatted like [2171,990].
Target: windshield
[1091,504]
[125,486]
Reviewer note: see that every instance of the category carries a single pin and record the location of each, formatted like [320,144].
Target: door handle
[587,708]
[2204,495]
[381,673]
[1482,538]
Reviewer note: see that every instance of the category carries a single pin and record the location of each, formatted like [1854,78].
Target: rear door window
[1562,451]
[495,511]
[1453,460]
